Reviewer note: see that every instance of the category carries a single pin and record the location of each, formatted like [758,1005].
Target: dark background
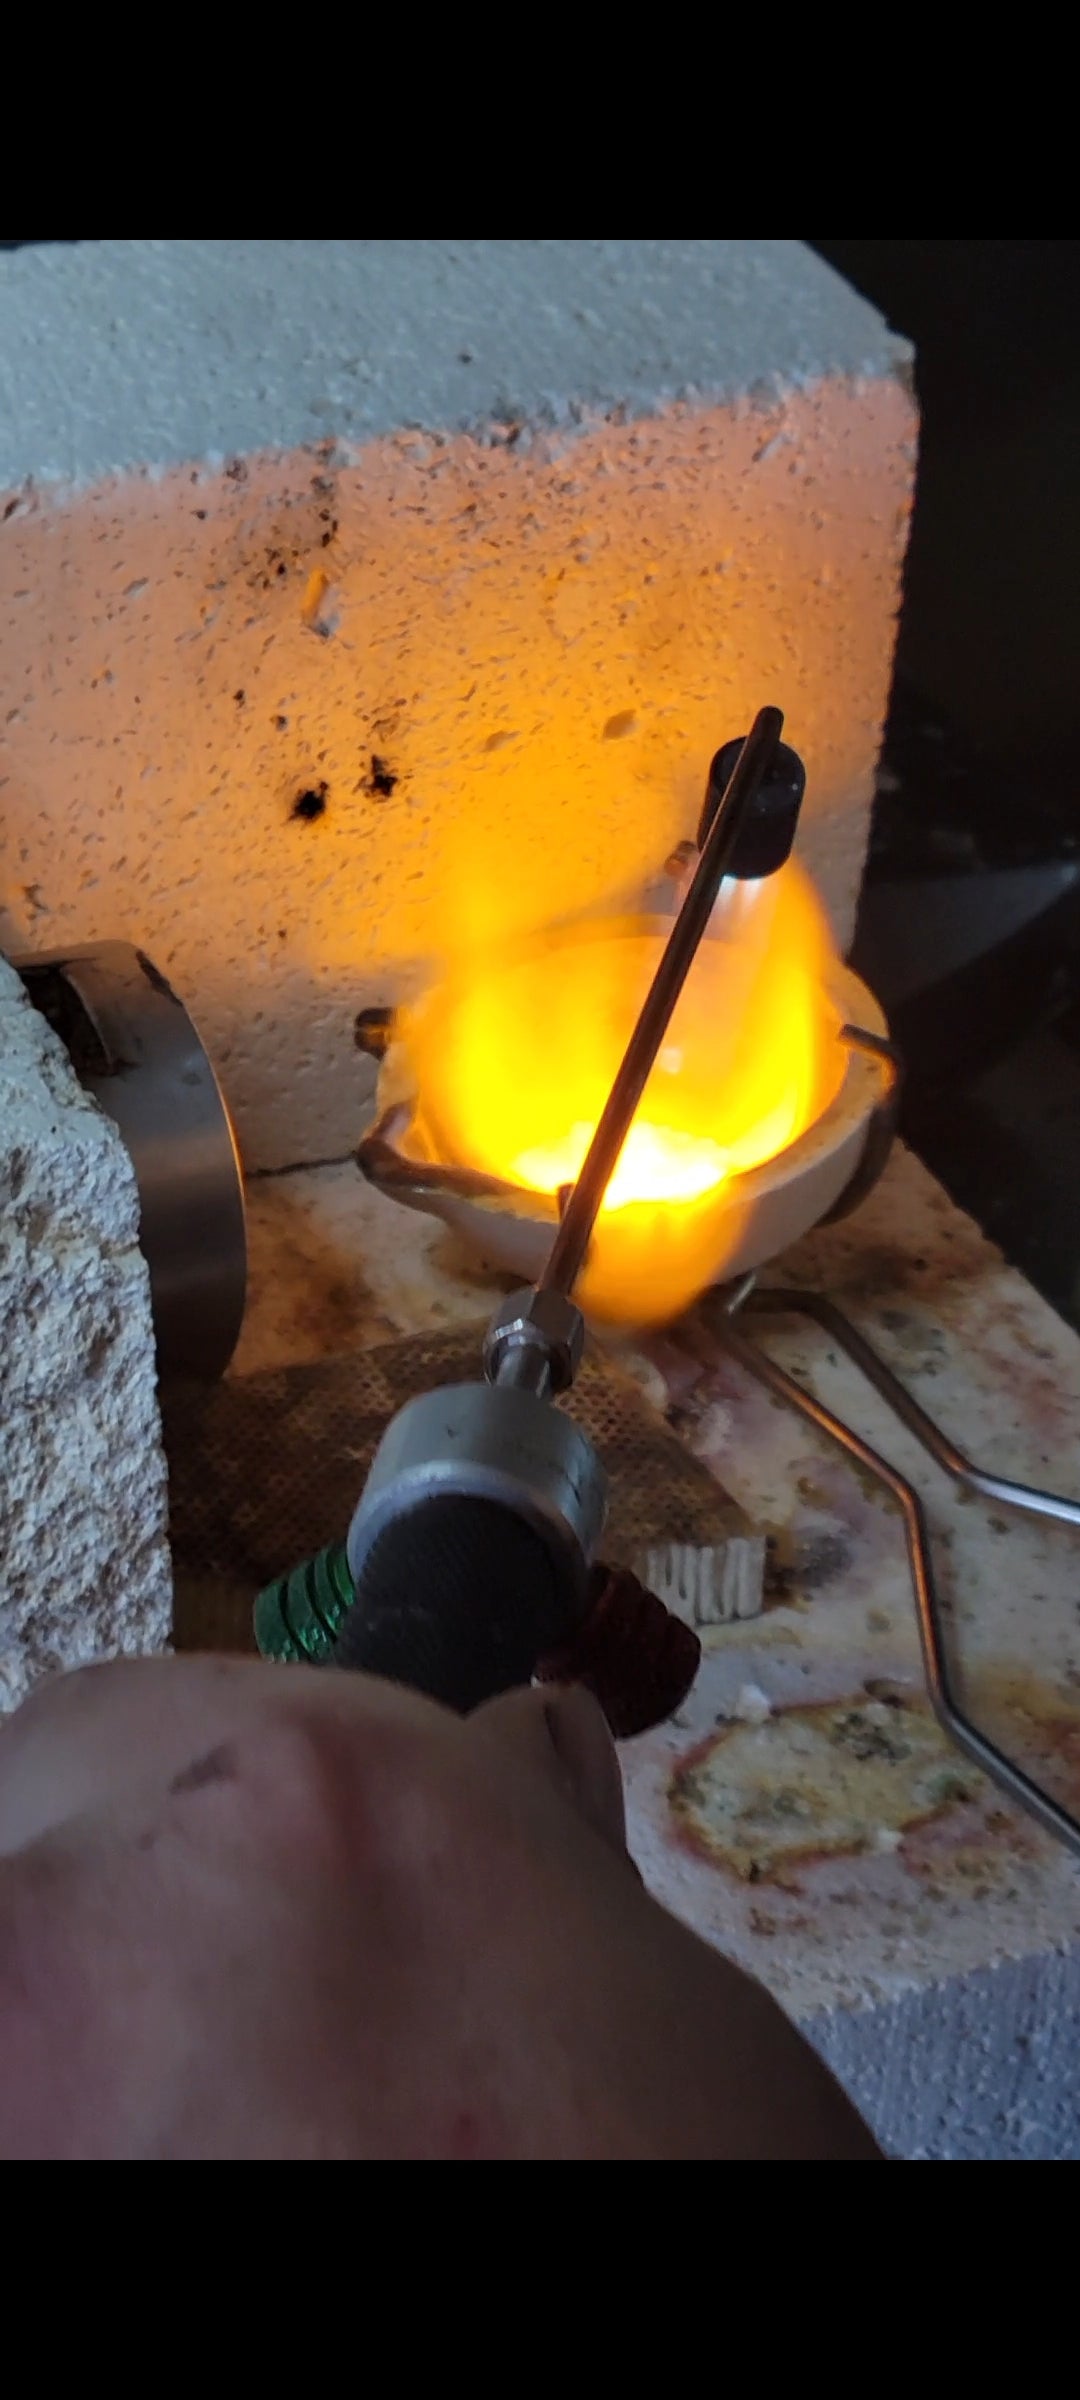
[991,627]
[970,922]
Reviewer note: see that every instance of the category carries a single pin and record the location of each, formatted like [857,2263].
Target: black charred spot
[311,803]
[382,780]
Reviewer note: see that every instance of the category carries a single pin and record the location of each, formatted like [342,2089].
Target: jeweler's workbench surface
[804,1811]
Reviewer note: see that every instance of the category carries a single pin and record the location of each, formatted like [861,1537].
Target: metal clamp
[135,1050]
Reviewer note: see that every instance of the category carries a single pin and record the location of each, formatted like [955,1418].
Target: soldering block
[84,1564]
[356,595]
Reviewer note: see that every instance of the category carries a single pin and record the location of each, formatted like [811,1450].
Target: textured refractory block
[84,1564]
[356,595]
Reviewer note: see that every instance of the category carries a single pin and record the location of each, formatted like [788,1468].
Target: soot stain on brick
[310,803]
[382,779]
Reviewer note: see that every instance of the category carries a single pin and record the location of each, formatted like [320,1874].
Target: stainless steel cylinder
[134,1048]
[504,1445]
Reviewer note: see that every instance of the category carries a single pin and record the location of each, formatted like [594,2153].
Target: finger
[98,1734]
[561,1732]
[116,1735]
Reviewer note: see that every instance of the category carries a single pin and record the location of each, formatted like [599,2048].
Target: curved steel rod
[775,1302]
[985,1753]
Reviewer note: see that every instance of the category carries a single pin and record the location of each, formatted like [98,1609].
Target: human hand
[251,1911]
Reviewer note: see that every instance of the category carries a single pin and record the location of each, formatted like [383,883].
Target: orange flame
[514,1058]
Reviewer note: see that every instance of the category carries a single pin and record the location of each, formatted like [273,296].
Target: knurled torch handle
[458,1598]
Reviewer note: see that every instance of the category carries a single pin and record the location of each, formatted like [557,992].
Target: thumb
[560,1730]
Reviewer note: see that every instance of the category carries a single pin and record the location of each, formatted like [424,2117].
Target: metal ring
[135,1050]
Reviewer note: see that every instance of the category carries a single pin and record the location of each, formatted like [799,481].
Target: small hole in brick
[239,698]
[383,779]
[310,804]
[623,722]
[99,1349]
[281,724]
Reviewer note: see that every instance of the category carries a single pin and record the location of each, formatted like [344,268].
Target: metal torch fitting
[535,1341]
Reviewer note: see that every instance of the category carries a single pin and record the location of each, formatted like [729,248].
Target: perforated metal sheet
[265,1470]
